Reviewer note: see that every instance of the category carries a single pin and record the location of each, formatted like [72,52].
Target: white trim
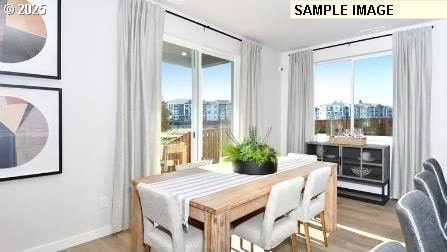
[357,57]
[196,116]
[74,240]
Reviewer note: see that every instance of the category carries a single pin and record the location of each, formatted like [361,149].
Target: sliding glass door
[217,105]
[176,123]
[196,105]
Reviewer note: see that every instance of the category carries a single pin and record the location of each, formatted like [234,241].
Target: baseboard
[73,240]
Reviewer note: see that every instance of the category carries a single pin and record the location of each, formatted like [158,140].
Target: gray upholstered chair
[426,182]
[278,222]
[390,246]
[434,167]
[419,224]
[313,202]
[163,229]
[193,165]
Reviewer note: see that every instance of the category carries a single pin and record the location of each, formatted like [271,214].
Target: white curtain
[411,110]
[249,96]
[140,46]
[300,124]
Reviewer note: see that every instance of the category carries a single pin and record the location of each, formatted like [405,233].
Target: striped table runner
[198,185]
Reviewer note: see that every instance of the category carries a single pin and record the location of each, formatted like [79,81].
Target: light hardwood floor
[361,226]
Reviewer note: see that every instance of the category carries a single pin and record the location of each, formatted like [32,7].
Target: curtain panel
[300,120]
[137,154]
[411,108]
[249,96]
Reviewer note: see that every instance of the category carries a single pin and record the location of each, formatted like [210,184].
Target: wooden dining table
[217,210]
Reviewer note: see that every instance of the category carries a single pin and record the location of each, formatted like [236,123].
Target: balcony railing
[178,151]
[382,126]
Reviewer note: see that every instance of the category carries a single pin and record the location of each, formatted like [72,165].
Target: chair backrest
[193,165]
[419,225]
[316,184]
[283,200]
[161,209]
[434,167]
[303,156]
[389,246]
[426,182]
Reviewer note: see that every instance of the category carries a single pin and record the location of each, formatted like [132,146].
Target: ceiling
[182,56]
[267,22]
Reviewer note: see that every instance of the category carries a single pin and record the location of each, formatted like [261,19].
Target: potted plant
[252,156]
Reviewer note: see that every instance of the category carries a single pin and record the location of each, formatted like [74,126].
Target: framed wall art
[30,42]
[30,131]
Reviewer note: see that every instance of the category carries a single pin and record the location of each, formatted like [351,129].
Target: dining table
[219,209]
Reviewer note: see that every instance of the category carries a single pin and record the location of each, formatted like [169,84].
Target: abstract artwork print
[23,132]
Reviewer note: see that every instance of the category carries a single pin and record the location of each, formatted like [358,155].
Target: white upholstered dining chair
[162,224]
[313,202]
[278,222]
[303,156]
[193,165]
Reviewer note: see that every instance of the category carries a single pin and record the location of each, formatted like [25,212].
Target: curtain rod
[203,25]
[354,41]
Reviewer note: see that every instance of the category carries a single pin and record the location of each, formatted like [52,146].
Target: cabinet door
[372,172]
[311,149]
[372,163]
[331,154]
[351,164]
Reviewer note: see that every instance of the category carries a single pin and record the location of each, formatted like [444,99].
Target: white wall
[195,35]
[42,210]
[271,96]
[55,212]
[439,93]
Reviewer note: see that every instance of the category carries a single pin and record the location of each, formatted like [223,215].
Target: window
[355,93]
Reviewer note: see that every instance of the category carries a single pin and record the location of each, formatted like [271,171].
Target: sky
[373,81]
[177,82]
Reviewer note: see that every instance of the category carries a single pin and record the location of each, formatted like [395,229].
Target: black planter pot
[252,168]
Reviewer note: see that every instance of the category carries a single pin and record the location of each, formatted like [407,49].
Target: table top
[238,195]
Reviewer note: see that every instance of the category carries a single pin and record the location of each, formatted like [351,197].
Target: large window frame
[196,106]
[371,138]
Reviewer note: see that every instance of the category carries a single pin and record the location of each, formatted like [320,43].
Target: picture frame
[30,131]
[39,52]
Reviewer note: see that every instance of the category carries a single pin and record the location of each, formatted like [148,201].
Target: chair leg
[306,231]
[323,228]
[299,227]
[241,243]
[294,240]
[251,247]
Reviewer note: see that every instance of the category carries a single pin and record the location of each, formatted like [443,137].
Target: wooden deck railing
[371,126]
[179,150]
[213,139]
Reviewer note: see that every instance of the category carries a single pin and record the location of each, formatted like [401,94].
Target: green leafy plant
[251,149]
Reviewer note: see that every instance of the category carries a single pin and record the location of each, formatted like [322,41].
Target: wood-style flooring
[361,226]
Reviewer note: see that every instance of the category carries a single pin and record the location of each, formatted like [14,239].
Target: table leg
[137,242]
[331,201]
[217,232]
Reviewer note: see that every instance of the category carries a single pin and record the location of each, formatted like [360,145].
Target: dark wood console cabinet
[365,165]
